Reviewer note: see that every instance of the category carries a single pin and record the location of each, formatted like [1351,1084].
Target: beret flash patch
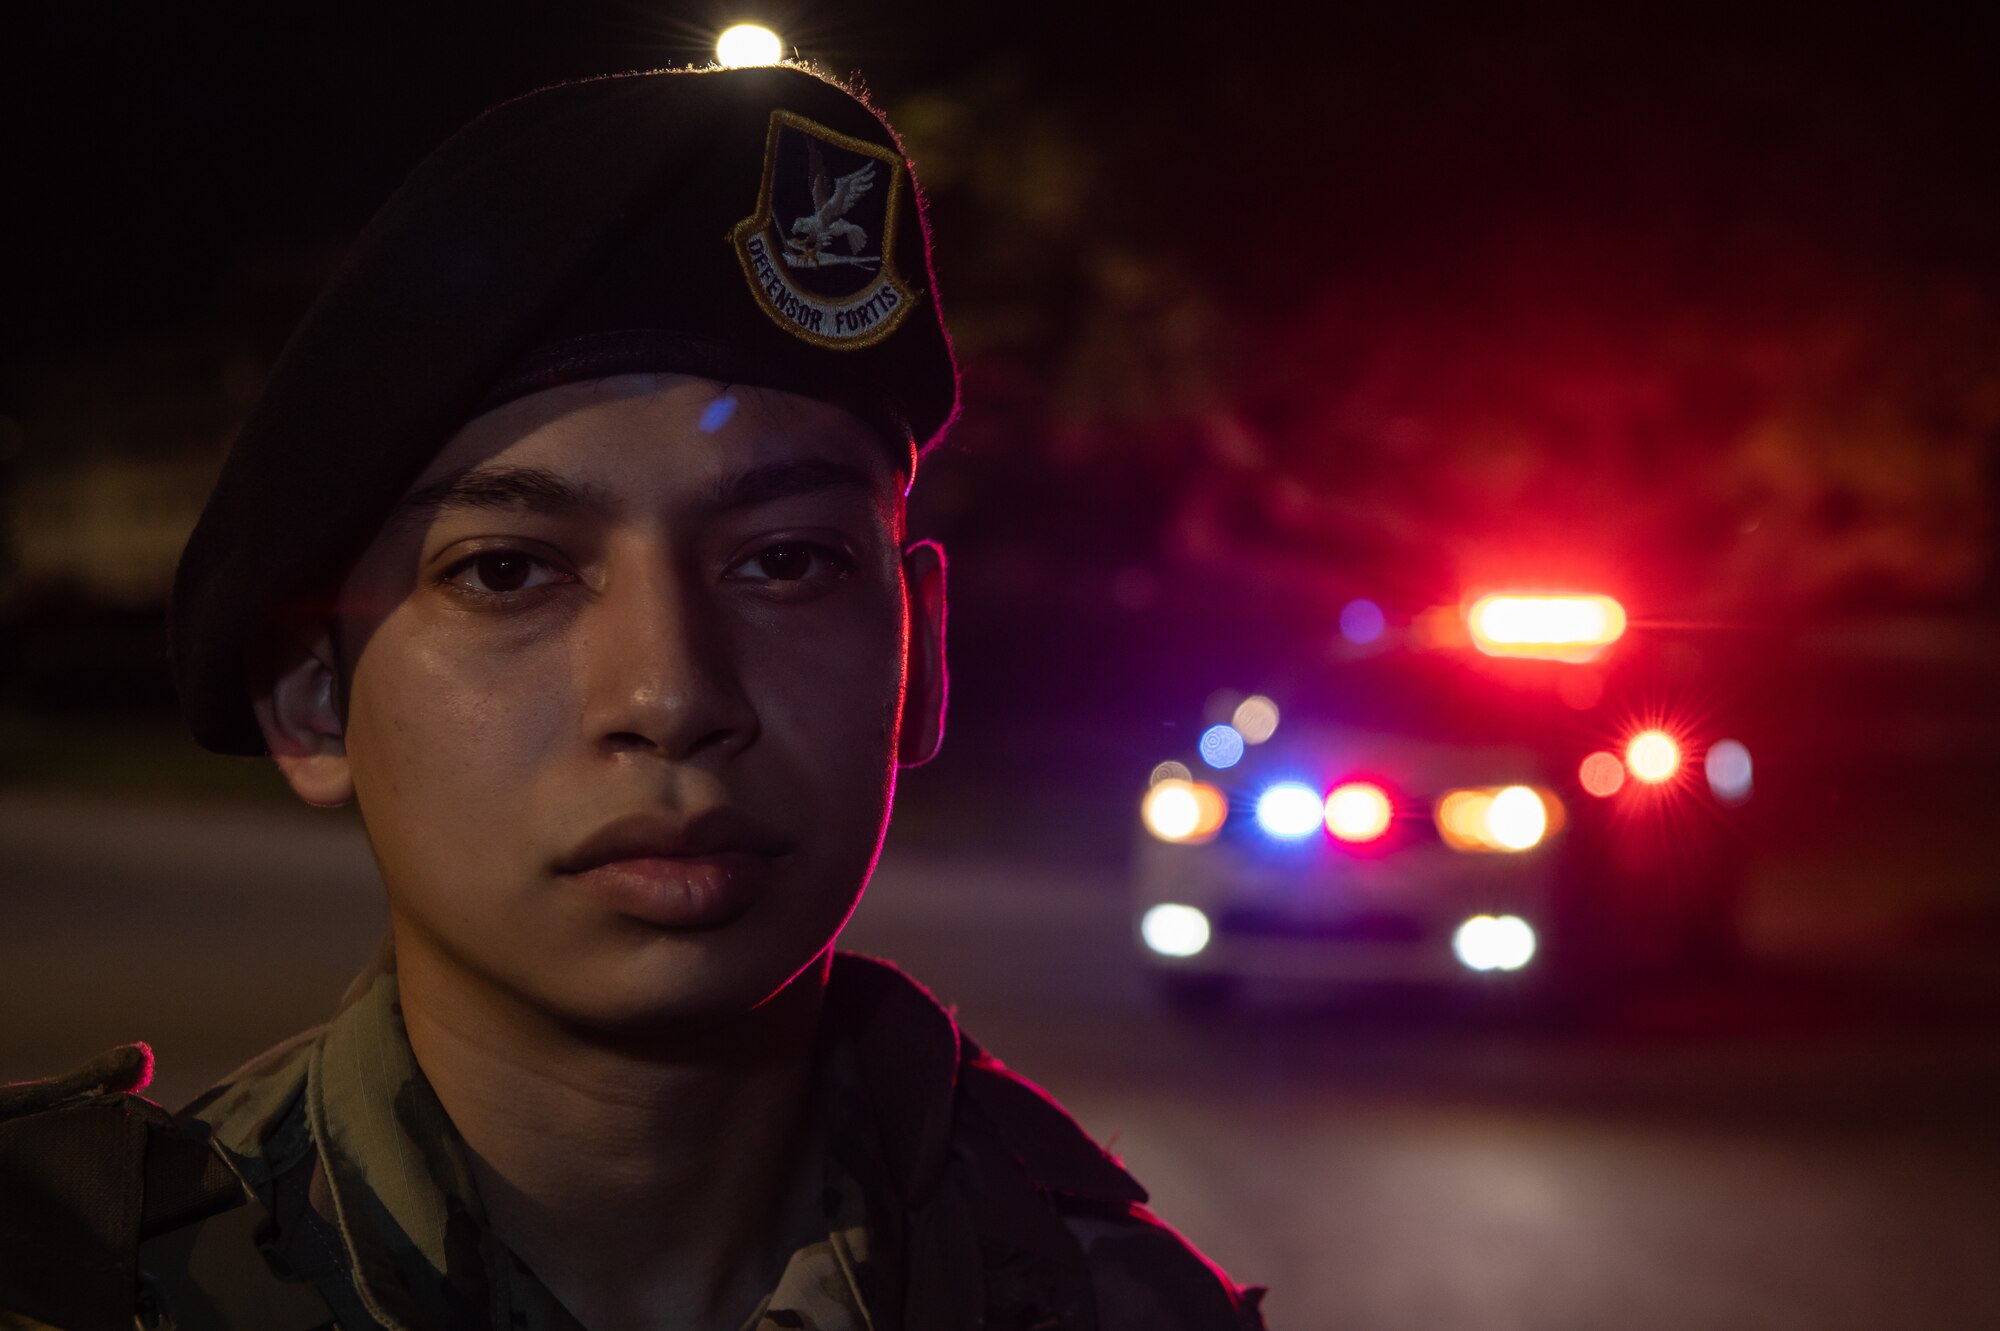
[820,249]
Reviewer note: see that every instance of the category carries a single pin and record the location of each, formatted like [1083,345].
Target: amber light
[1550,628]
[1501,818]
[1653,757]
[1183,812]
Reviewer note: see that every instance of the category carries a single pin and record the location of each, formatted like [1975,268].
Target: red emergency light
[1653,757]
[1570,627]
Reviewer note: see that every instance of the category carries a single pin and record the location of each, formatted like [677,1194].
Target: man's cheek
[495,699]
[852,680]
[835,716]
[454,736]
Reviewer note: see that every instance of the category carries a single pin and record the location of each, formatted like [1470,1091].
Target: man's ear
[925,688]
[295,692]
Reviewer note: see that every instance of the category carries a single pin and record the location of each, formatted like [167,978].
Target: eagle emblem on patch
[820,249]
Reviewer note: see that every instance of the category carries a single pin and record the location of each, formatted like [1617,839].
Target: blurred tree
[1697,308]
[1775,440]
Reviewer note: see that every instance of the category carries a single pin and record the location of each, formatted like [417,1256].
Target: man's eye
[794,562]
[500,572]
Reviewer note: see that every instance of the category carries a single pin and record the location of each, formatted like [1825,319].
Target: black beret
[756,226]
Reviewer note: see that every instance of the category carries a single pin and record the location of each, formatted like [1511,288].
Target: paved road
[1783,1154]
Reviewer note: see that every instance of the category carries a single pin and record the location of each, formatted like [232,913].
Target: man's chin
[686,1002]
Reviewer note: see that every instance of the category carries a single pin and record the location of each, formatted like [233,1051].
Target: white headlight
[1494,943]
[1173,930]
[1516,819]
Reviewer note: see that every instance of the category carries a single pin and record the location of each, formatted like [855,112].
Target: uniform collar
[402,1193]
[406,1206]
[903,1050]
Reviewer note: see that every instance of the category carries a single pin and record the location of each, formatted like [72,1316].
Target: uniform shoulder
[1144,1275]
[98,1183]
[1053,1147]
[72,1162]
[125,1068]
[1043,1192]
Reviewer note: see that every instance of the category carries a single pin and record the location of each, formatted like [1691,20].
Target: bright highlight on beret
[748,44]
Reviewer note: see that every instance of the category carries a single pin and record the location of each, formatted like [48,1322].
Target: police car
[1519,788]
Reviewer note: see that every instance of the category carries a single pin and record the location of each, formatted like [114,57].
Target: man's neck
[648,1182]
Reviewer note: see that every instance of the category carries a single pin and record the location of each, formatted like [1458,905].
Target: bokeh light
[1728,769]
[1358,811]
[1213,807]
[1516,819]
[1461,819]
[1169,771]
[1494,943]
[1601,774]
[1507,818]
[1170,811]
[717,413]
[1362,622]
[1256,719]
[1653,757]
[1221,746]
[1185,812]
[748,44]
[1290,810]
[1174,930]
[1556,628]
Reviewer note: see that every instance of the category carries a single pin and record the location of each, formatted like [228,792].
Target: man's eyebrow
[536,489]
[539,490]
[769,481]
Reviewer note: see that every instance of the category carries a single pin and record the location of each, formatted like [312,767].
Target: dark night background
[1257,313]
[1696,305]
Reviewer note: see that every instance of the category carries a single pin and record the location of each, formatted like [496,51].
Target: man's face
[626,683]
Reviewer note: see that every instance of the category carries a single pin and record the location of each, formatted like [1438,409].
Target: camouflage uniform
[323,1185]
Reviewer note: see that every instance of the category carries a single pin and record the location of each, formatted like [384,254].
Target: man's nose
[658,668]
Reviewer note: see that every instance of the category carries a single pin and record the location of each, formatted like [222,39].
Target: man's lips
[674,872]
[663,834]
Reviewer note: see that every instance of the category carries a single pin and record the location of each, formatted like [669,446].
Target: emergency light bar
[1549,628]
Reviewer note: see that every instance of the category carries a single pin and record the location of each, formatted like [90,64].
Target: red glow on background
[1581,688]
